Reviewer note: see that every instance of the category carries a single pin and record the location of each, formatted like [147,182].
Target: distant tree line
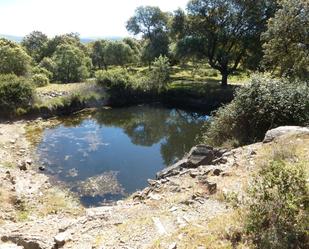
[226,34]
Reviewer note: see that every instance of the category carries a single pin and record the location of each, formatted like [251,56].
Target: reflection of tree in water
[183,128]
[146,125]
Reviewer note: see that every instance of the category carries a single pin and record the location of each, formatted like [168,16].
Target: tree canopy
[35,43]
[227,31]
[13,59]
[152,24]
[286,45]
[72,65]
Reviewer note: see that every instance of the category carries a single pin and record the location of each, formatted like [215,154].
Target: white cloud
[87,17]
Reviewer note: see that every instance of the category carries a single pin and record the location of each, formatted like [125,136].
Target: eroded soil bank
[187,207]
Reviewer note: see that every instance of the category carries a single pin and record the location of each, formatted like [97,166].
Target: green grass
[203,73]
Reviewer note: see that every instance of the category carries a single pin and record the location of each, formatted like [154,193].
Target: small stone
[155,197]
[22,166]
[42,168]
[194,173]
[173,246]
[61,239]
[151,182]
[217,172]
[29,161]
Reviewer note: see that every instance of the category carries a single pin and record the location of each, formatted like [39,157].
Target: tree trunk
[224,79]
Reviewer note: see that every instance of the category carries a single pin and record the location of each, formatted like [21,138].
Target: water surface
[110,154]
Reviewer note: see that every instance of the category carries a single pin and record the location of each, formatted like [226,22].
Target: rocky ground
[173,212]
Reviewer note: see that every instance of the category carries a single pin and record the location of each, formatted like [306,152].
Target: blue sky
[90,18]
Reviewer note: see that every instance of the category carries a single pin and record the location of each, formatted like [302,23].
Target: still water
[109,154]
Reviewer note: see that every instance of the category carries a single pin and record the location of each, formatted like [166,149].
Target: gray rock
[198,155]
[277,132]
[201,155]
[172,170]
[22,166]
[61,238]
[211,186]
[42,168]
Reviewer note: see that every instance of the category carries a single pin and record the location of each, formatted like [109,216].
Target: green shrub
[40,80]
[263,104]
[159,74]
[116,78]
[279,207]
[42,70]
[15,92]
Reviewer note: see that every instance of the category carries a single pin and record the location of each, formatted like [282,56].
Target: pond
[109,154]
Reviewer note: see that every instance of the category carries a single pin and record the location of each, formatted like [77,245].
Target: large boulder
[202,155]
[282,130]
[198,155]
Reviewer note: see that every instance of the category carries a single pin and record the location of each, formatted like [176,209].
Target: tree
[152,24]
[35,43]
[286,45]
[160,73]
[147,21]
[179,24]
[98,55]
[156,47]
[118,53]
[70,39]
[72,65]
[135,46]
[228,30]
[13,59]
[48,64]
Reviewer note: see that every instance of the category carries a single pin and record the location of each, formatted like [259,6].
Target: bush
[48,64]
[13,59]
[40,80]
[42,70]
[263,104]
[159,75]
[15,92]
[278,210]
[117,78]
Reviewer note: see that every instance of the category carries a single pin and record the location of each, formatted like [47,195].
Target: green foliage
[98,54]
[226,32]
[278,215]
[157,46]
[263,104]
[152,23]
[118,53]
[15,92]
[147,20]
[66,39]
[72,65]
[43,71]
[286,45]
[40,80]
[135,46]
[13,59]
[116,78]
[159,74]
[49,65]
[35,44]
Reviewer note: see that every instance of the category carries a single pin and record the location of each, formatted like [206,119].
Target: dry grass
[221,232]
[54,201]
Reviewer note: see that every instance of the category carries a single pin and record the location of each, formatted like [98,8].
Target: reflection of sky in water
[86,152]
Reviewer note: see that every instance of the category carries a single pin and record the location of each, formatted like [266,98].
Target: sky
[89,18]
